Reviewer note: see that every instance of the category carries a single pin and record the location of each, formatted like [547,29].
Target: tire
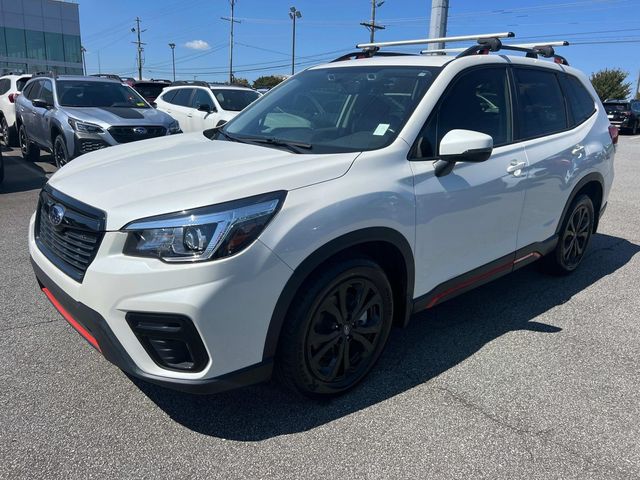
[30,151]
[321,352]
[1,169]
[575,235]
[6,133]
[60,152]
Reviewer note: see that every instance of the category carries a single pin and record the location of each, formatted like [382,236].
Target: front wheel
[575,235]
[30,151]
[337,329]
[60,152]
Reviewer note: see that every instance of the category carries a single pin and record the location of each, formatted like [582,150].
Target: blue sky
[331,27]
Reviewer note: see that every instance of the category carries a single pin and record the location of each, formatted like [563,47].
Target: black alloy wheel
[60,153]
[338,331]
[4,131]
[574,237]
[29,151]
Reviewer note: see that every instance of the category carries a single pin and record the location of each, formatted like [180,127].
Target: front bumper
[229,301]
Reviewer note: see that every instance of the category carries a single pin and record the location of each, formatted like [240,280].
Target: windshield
[616,107]
[335,110]
[87,93]
[234,100]
[150,90]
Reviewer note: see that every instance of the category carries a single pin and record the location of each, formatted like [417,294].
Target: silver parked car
[72,115]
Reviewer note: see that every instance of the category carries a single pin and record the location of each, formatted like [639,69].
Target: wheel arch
[591,185]
[386,246]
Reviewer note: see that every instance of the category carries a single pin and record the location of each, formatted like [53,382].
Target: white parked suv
[293,238]
[10,87]
[198,106]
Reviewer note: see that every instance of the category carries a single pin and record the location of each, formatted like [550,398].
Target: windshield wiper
[293,146]
[227,136]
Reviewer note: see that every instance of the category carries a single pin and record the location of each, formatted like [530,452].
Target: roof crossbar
[545,50]
[442,51]
[424,41]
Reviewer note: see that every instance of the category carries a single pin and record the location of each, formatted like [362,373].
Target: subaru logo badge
[139,130]
[56,215]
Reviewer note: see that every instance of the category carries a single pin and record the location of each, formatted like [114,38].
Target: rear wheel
[575,235]
[30,151]
[60,153]
[337,330]
[5,132]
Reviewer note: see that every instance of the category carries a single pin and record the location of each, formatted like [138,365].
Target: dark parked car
[149,89]
[624,114]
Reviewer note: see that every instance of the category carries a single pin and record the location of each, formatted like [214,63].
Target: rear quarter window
[579,100]
[5,85]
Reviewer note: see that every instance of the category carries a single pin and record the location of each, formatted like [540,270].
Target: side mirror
[205,108]
[40,103]
[462,146]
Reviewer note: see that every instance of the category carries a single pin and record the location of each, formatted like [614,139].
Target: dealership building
[39,36]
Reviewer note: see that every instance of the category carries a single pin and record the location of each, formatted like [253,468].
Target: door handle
[516,167]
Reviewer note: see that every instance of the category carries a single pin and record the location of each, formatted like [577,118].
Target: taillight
[613,132]
[12,97]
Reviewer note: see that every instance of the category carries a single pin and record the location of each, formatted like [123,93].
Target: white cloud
[197,45]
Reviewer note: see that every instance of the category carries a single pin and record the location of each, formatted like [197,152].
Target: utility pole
[99,68]
[172,46]
[372,26]
[438,24]
[294,14]
[637,95]
[84,63]
[140,49]
[231,20]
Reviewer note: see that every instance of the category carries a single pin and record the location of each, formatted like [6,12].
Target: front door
[469,218]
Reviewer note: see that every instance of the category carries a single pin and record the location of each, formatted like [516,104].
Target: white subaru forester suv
[290,240]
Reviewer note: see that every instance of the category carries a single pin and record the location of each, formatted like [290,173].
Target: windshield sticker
[140,104]
[381,129]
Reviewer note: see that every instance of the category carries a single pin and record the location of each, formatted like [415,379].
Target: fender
[332,248]
[594,176]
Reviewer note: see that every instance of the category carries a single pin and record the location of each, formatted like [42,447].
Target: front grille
[72,243]
[134,133]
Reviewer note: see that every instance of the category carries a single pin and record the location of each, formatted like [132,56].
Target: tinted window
[168,97]
[201,97]
[46,92]
[541,107]
[234,100]
[149,90]
[90,93]
[581,104]
[5,84]
[33,91]
[478,100]
[616,107]
[183,97]
[21,82]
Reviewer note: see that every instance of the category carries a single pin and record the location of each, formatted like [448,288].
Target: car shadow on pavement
[20,175]
[434,342]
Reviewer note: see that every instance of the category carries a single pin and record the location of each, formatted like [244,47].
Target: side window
[201,97]
[541,106]
[33,90]
[581,104]
[5,84]
[478,100]
[46,92]
[183,97]
[168,97]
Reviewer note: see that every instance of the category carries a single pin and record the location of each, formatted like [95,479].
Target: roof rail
[193,83]
[111,76]
[424,41]
[442,51]
[368,54]
[45,74]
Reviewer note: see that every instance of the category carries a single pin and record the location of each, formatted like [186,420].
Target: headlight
[174,127]
[203,233]
[84,127]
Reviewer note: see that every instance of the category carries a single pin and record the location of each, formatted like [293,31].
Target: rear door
[561,144]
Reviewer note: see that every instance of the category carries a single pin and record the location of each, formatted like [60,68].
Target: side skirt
[484,274]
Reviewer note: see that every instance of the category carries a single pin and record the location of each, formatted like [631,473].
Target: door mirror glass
[462,146]
[40,103]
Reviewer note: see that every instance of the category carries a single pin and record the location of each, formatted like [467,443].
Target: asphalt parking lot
[528,377]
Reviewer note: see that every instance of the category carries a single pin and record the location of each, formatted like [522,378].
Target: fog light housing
[171,340]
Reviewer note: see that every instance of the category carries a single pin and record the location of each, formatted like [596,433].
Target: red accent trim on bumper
[67,316]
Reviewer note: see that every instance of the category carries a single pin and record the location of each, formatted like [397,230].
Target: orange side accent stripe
[67,316]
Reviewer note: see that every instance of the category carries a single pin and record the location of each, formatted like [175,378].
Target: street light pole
[438,24]
[294,14]
[172,46]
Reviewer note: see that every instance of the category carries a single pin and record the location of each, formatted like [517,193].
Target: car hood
[109,116]
[179,172]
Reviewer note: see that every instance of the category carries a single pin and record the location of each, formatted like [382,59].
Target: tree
[611,83]
[267,81]
[241,81]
